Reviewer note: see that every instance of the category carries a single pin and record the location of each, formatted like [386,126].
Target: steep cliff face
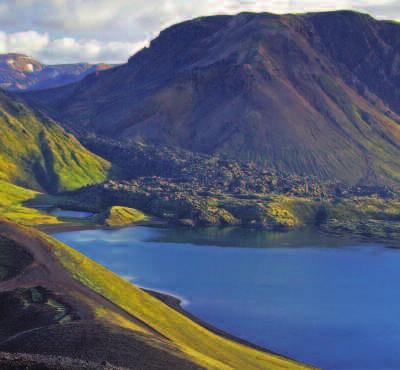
[314,93]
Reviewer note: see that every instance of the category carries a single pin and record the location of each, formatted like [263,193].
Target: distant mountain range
[21,72]
[311,94]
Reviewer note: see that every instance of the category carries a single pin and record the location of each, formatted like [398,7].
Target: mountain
[37,153]
[21,72]
[315,94]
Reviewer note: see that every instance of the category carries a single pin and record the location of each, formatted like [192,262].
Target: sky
[68,31]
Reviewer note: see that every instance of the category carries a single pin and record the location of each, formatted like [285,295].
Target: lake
[70,214]
[326,301]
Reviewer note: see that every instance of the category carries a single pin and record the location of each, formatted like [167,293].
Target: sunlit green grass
[121,216]
[12,199]
[35,152]
[291,211]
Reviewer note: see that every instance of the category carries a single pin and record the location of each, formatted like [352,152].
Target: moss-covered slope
[36,152]
[12,206]
[120,216]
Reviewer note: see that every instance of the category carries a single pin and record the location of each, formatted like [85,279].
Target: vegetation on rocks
[196,189]
[120,216]
[206,173]
[370,218]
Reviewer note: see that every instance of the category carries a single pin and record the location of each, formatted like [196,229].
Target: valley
[191,189]
[237,161]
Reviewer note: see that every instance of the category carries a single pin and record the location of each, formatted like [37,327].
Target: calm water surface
[70,214]
[325,301]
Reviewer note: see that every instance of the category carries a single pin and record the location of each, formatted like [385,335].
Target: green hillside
[120,216]
[12,199]
[37,153]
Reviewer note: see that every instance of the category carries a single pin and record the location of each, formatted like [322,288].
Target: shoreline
[170,300]
[176,304]
[76,226]
[153,221]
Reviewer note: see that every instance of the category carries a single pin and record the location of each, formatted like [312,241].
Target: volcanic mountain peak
[316,93]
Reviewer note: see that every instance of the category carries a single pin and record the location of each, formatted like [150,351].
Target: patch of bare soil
[92,341]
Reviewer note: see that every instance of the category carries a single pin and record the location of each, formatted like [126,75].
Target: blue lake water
[326,301]
[70,214]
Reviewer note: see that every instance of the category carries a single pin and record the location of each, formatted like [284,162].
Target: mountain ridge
[22,72]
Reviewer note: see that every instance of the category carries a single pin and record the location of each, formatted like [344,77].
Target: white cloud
[27,42]
[110,30]
[3,42]
[70,50]
[66,49]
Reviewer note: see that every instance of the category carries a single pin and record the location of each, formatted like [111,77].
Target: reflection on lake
[336,307]
[247,238]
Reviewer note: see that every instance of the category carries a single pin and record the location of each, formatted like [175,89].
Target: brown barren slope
[315,93]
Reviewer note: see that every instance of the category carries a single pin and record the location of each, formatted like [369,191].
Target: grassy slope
[203,346]
[121,216]
[12,198]
[37,153]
